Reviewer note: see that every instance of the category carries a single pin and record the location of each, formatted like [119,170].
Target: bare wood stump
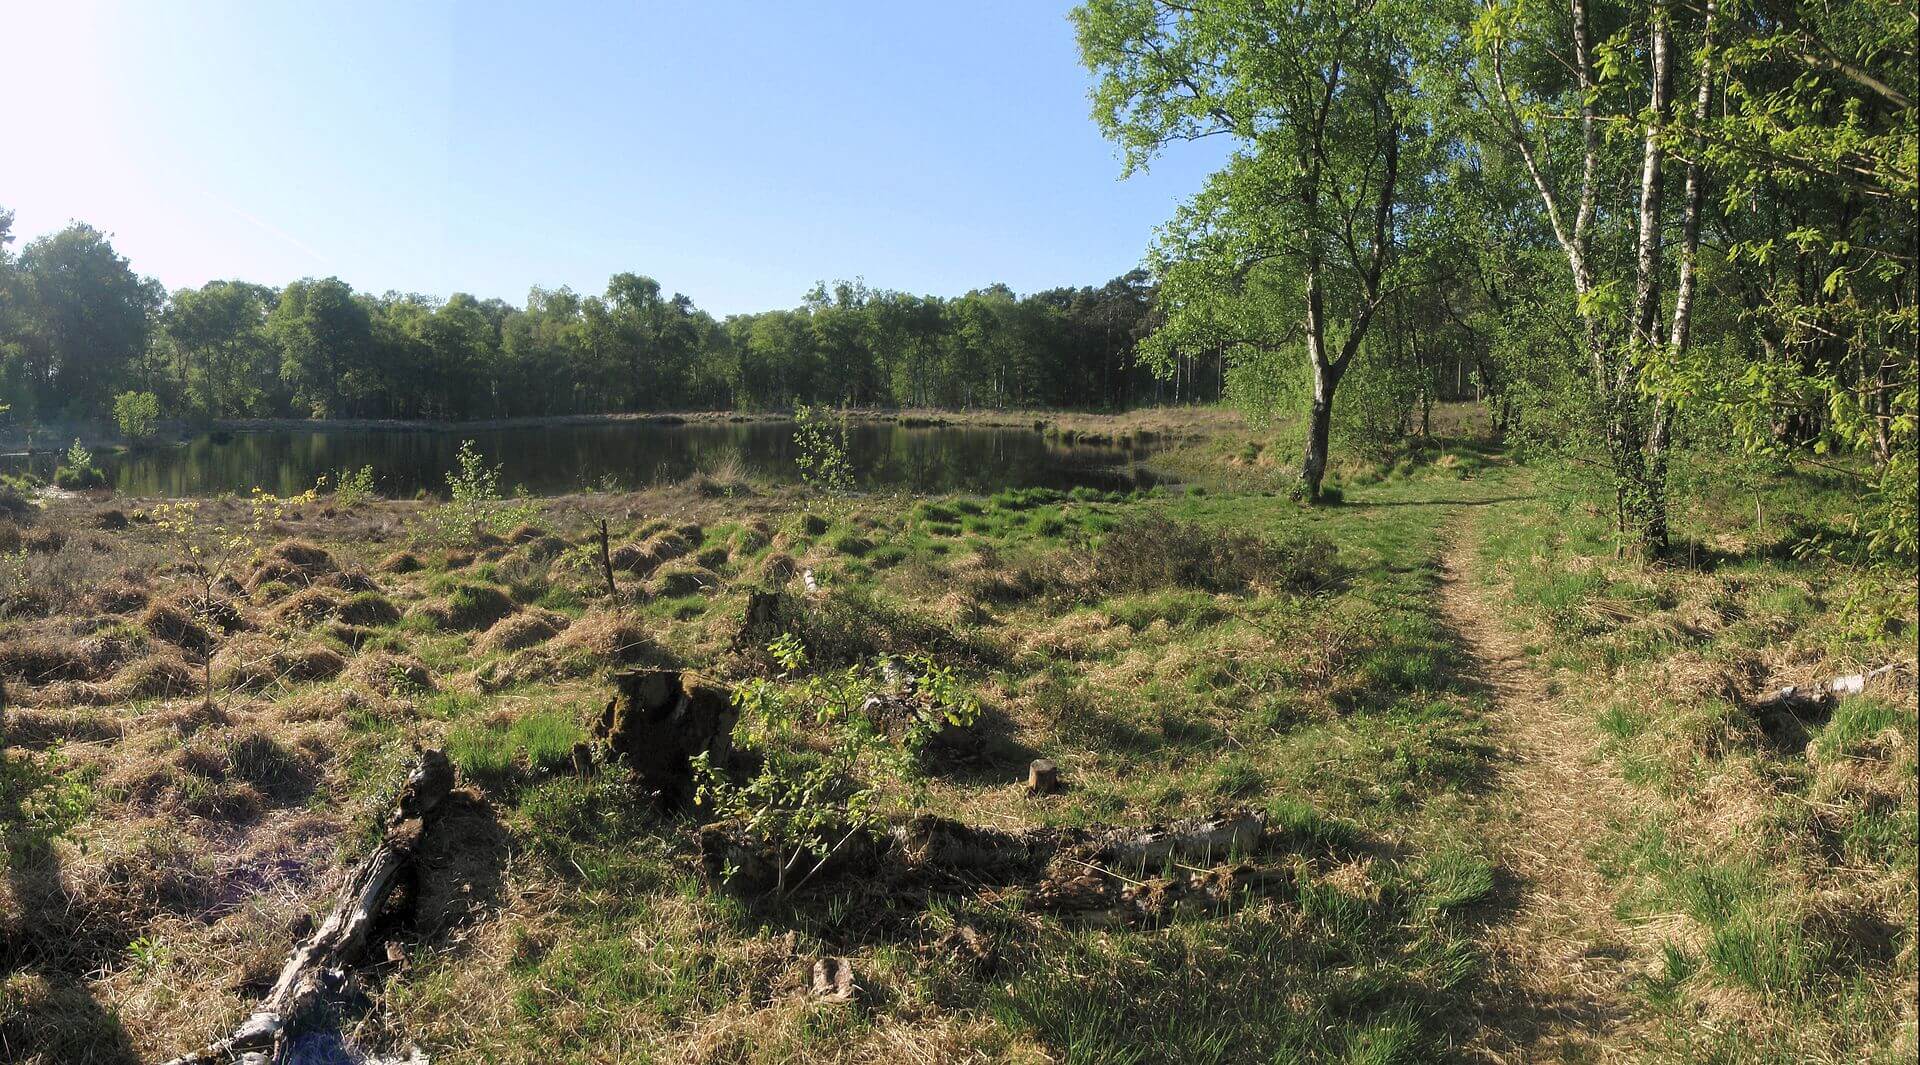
[1043,777]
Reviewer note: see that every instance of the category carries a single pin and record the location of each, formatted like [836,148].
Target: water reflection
[557,459]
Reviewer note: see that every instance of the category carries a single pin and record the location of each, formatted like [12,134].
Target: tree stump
[1043,777]
[658,723]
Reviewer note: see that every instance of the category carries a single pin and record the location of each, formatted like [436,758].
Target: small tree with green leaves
[821,442]
[351,487]
[78,470]
[137,414]
[474,502]
[826,742]
[215,549]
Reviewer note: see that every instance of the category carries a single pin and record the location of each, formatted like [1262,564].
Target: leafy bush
[78,471]
[137,414]
[821,442]
[474,505]
[822,742]
[353,487]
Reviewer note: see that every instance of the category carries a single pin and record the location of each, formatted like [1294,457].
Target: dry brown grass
[520,630]
[258,662]
[399,562]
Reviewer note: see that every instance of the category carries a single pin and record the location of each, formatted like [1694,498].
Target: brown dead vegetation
[521,630]
[257,662]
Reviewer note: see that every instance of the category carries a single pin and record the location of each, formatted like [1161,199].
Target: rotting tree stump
[658,721]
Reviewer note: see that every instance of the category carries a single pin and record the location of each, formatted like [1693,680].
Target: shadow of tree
[47,1011]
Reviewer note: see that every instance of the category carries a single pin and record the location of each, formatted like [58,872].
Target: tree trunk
[1313,465]
[312,973]
[1660,437]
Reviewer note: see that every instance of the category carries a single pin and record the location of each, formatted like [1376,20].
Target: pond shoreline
[55,438]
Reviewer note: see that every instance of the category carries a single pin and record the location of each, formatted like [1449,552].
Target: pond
[553,460]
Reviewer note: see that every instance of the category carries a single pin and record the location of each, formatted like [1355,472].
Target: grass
[1776,858]
[1174,651]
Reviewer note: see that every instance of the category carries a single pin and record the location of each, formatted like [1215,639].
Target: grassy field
[1177,652]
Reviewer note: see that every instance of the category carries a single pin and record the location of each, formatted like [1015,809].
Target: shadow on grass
[60,1021]
[1362,504]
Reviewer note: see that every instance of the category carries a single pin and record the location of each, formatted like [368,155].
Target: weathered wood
[833,980]
[1202,839]
[1804,700]
[1043,777]
[658,723]
[319,967]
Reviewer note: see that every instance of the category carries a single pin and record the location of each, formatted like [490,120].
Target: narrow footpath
[1559,958]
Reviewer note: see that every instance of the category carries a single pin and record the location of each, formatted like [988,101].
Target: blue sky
[735,151]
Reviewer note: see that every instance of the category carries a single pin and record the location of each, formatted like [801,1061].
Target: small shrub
[78,471]
[137,414]
[353,487]
[821,443]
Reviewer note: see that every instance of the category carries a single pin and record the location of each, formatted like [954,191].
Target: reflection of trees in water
[555,459]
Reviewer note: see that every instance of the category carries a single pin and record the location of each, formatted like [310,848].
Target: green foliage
[811,800]
[353,487]
[137,414]
[78,471]
[820,444]
[495,755]
[474,505]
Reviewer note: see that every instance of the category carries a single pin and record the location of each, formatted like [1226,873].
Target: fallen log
[1811,699]
[319,969]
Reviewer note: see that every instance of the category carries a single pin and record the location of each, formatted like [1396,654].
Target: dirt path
[1559,958]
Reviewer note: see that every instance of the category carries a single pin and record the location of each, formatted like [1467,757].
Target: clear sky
[735,151]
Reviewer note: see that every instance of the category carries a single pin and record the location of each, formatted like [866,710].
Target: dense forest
[78,325]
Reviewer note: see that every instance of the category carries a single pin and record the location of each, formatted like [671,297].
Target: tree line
[1644,224]
[78,327]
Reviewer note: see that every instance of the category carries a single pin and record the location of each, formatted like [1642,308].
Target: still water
[553,460]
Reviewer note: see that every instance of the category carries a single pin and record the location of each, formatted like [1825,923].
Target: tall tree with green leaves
[226,363]
[324,334]
[1293,244]
[85,318]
